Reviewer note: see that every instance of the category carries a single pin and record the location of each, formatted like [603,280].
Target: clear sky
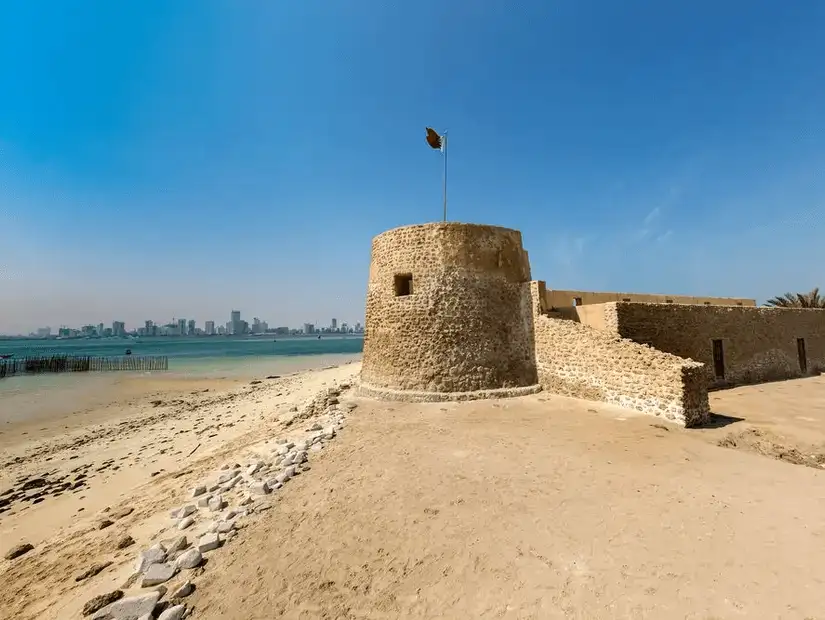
[179,159]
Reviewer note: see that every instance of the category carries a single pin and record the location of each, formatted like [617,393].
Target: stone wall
[758,344]
[562,299]
[446,314]
[580,361]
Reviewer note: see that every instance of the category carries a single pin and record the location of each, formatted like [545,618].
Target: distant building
[149,328]
[191,328]
[44,332]
[209,328]
[282,331]
[221,330]
[309,328]
[235,324]
[118,328]
[100,329]
[334,324]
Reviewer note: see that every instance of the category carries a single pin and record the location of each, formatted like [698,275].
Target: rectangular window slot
[626,299]
[803,356]
[668,301]
[577,301]
[707,303]
[403,284]
[718,359]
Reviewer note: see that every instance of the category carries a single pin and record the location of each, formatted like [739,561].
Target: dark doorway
[718,359]
[803,357]
[403,284]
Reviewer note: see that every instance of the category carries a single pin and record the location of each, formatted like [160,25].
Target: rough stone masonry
[452,314]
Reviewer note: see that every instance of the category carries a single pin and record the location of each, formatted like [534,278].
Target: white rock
[316,427]
[189,559]
[253,469]
[185,522]
[230,535]
[184,511]
[157,574]
[130,607]
[248,499]
[281,440]
[316,447]
[152,555]
[208,542]
[301,457]
[203,502]
[329,432]
[232,514]
[173,613]
[225,526]
[176,545]
[282,450]
[216,503]
[289,445]
[185,589]
[259,488]
[199,490]
[214,487]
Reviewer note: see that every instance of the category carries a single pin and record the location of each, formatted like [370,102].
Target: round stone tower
[448,314]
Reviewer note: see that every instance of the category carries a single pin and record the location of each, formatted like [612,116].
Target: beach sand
[535,507]
[137,446]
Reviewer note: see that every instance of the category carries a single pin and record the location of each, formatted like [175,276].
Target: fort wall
[756,344]
[446,314]
[573,359]
[562,299]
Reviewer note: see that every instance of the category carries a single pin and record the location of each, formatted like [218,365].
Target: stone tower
[448,314]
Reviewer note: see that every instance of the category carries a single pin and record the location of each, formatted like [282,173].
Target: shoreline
[28,399]
[141,452]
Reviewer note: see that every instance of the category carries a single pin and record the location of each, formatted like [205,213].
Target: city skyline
[184,326]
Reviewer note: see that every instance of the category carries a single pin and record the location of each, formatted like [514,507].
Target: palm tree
[798,300]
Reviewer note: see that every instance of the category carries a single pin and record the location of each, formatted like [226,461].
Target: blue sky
[178,159]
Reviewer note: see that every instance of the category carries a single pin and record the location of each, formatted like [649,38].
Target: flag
[434,140]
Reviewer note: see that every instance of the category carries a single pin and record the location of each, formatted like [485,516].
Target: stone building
[453,313]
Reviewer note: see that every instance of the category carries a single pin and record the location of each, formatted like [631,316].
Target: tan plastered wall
[564,299]
[577,360]
[466,326]
[759,344]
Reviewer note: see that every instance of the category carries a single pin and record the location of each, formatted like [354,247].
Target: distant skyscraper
[209,328]
[182,327]
[309,328]
[235,321]
[191,328]
[118,328]
[334,323]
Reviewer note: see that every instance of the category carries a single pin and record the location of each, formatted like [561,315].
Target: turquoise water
[31,396]
[185,353]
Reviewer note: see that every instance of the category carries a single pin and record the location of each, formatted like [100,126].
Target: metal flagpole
[444,150]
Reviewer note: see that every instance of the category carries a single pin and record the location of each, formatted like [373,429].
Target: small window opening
[738,303]
[577,301]
[707,303]
[803,356]
[668,301]
[403,284]
[718,359]
[626,299]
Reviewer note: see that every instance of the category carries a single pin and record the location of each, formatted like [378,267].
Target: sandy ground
[144,451]
[537,507]
[541,507]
